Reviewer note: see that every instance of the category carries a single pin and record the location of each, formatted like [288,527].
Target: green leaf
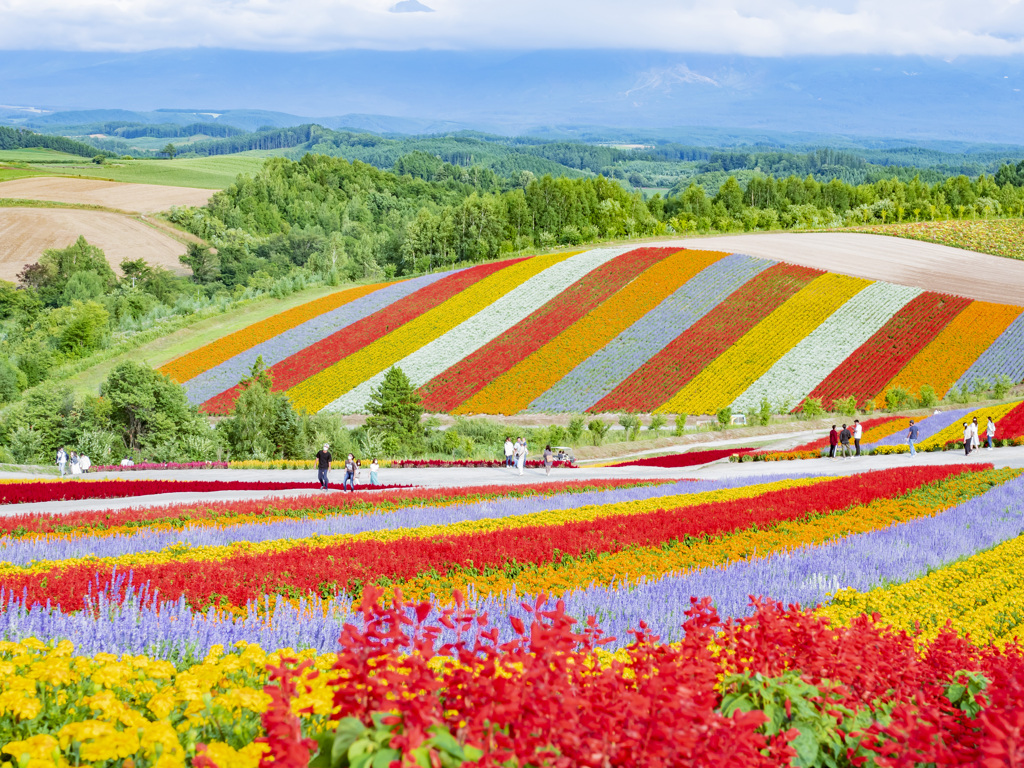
[806,746]
[955,692]
[385,757]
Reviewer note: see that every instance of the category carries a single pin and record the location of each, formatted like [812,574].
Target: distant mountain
[966,99]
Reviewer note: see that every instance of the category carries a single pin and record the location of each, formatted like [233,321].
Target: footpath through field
[462,477]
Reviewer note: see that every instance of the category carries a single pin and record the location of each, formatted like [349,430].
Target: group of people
[515,455]
[72,463]
[323,470]
[841,440]
[972,441]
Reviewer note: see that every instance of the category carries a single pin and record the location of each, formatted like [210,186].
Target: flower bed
[166,465]
[690,459]
[472,373]
[667,372]
[794,455]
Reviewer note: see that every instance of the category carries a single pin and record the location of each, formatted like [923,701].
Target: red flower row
[324,571]
[660,378]
[70,490]
[870,367]
[691,459]
[781,688]
[344,342]
[487,463]
[295,506]
[471,374]
[1012,424]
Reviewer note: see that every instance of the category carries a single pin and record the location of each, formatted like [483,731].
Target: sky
[941,28]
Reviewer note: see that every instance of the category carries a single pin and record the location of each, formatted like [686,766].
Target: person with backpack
[323,466]
[844,442]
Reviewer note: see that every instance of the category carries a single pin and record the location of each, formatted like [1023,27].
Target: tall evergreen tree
[395,412]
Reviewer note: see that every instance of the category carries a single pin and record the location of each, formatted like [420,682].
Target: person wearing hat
[323,465]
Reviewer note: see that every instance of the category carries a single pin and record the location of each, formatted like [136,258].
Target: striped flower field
[189,635]
[616,329]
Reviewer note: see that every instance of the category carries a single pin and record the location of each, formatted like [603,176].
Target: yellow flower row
[883,431]
[632,565]
[982,595]
[183,553]
[956,431]
[320,390]
[190,365]
[954,349]
[735,370]
[515,389]
[63,709]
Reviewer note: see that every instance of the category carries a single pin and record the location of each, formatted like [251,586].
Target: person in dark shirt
[844,442]
[323,465]
[350,474]
[833,441]
[912,435]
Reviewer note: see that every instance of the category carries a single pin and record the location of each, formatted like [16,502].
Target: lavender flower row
[599,374]
[142,623]
[57,547]
[929,426]
[1004,356]
[222,377]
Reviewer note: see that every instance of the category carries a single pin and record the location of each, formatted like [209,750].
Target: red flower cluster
[326,352]
[865,373]
[295,506]
[691,459]
[471,374]
[783,687]
[488,463]
[328,570]
[661,377]
[70,490]
[1011,425]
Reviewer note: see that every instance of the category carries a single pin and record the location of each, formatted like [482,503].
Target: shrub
[812,408]
[680,424]
[764,412]
[598,429]
[979,387]
[657,422]
[1001,386]
[960,396]
[724,417]
[630,422]
[575,429]
[846,406]
[896,399]
[927,398]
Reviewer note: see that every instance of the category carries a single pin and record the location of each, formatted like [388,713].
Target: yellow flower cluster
[634,564]
[190,365]
[58,709]
[954,349]
[182,553]
[982,595]
[320,390]
[734,371]
[515,389]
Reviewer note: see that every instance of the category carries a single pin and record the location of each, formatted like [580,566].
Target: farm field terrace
[640,329]
[174,627]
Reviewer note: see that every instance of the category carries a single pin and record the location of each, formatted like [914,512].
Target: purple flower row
[929,426]
[1004,356]
[599,374]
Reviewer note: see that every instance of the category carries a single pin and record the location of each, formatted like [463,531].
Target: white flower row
[795,375]
[467,337]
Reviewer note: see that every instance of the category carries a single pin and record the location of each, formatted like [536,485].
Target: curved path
[899,260]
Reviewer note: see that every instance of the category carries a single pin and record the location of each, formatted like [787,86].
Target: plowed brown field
[26,232]
[137,198]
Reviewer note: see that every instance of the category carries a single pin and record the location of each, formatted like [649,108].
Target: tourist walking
[990,434]
[374,468]
[833,441]
[76,468]
[967,439]
[520,453]
[844,443]
[62,460]
[975,439]
[857,432]
[323,466]
[509,452]
[350,474]
[549,459]
[912,435]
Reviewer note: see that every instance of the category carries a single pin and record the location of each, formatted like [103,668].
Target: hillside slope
[623,329]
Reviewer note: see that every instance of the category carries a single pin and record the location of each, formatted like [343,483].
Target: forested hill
[14,138]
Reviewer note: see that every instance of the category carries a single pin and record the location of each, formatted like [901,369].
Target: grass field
[201,172]
[1000,237]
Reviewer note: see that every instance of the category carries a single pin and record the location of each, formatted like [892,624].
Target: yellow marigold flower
[160,739]
[162,704]
[23,706]
[42,748]
[98,741]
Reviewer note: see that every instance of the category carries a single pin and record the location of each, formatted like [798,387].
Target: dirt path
[26,232]
[137,198]
[907,262]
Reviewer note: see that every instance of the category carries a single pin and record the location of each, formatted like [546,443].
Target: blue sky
[941,28]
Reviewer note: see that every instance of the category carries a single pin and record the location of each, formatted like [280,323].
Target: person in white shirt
[509,451]
[858,430]
[967,439]
[990,433]
[62,460]
[85,462]
[374,468]
[126,462]
[520,452]
[975,440]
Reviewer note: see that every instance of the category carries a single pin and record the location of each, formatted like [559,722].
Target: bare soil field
[137,198]
[930,266]
[26,232]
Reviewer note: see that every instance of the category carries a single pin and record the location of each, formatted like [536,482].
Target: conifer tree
[395,412]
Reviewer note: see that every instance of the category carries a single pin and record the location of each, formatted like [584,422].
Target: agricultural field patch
[1000,237]
[136,198]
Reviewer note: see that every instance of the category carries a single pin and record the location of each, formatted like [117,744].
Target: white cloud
[946,28]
